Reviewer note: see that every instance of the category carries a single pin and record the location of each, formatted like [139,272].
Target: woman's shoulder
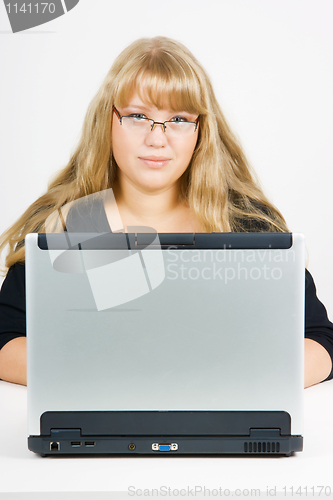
[15,274]
[13,286]
[87,216]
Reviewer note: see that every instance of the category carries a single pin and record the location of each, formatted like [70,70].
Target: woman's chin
[154,183]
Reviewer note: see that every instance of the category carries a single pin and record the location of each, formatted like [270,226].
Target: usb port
[90,444]
[75,444]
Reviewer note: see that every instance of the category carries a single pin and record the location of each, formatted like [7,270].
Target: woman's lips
[155,161]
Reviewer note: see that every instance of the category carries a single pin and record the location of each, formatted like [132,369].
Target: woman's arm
[13,361]
[318,337]
[317,363]
[13,350]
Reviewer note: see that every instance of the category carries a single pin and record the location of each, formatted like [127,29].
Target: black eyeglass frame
[151,120]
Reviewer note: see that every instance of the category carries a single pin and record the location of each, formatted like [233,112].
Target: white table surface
[23,471]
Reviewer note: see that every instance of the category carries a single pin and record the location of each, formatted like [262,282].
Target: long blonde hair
[218,185]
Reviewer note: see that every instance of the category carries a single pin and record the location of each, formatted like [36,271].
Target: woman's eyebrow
[142,107]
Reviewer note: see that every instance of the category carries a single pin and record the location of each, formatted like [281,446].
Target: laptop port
[54,446]
[75,444]
[90,444]
[131,446]
[164,447]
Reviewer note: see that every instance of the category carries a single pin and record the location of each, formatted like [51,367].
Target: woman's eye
[138,116]
[178,119]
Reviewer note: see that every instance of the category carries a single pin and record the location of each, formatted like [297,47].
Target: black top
[13,312]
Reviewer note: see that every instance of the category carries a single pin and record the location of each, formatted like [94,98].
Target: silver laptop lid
[212,322]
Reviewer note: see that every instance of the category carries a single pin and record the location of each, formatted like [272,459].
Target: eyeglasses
[138,123]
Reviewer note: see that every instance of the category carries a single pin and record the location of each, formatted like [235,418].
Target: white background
[271,63]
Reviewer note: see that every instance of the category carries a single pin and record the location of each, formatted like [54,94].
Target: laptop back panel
[201,336]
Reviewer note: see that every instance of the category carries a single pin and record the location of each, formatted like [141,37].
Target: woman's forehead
[139,98]
[175,99]
[136,102]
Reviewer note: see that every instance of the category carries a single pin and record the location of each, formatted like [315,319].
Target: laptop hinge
[165,239]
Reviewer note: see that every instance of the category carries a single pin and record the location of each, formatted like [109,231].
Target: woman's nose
[157,136]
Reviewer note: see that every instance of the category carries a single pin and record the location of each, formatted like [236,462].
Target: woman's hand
[317,363]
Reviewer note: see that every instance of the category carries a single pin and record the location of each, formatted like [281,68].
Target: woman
[155,134]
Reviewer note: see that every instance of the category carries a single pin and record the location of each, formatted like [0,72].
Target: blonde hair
[218,185]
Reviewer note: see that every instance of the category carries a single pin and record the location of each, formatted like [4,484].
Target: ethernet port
[54,446]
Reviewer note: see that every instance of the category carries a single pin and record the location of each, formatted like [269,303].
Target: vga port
[164,447]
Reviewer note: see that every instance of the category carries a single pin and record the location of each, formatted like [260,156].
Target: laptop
[165,344]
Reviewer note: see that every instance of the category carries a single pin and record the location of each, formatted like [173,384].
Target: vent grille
[262,447]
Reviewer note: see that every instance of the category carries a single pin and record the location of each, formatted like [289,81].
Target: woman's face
[151,161]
